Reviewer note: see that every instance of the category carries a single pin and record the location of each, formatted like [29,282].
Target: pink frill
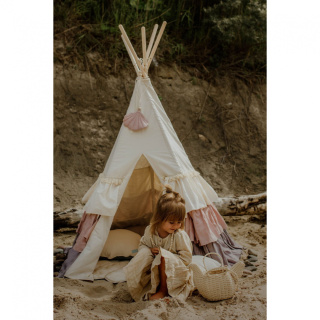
[204,225]
[85,228]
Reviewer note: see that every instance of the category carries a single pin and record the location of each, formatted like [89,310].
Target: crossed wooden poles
[142,65]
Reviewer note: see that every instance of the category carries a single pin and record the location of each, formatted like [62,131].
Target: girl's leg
[163,289]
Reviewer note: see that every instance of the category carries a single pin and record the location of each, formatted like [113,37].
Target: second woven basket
[218,283]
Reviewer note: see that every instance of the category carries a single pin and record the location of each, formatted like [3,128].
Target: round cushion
[121,243]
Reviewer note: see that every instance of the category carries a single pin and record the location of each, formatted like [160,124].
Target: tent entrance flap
[139,198]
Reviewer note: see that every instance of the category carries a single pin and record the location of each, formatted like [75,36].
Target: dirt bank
[229,115]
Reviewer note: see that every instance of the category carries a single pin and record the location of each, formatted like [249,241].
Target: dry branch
[67,219]
[243,205]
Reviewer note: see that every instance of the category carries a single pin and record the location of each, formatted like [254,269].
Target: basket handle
[204,264]
[235,278]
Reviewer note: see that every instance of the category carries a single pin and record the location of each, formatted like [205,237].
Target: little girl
[160,267]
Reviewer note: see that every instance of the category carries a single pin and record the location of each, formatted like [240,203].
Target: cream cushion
[121,243]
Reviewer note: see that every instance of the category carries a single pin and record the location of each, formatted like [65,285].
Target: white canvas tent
[140,163]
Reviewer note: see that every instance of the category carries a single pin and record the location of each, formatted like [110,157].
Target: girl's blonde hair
[170,206]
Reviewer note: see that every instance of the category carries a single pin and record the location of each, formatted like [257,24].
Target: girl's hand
[154,251]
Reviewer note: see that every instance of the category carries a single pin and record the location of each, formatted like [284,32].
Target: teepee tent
[146,155]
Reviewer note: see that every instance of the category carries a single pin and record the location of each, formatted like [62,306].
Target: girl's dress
[142,271]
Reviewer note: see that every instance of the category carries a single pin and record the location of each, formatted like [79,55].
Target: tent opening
[139,199]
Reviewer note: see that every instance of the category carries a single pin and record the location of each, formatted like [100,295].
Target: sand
[76,299]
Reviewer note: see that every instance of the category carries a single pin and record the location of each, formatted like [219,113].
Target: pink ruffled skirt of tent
[208,233]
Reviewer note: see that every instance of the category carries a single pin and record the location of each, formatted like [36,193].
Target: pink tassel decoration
[135,121]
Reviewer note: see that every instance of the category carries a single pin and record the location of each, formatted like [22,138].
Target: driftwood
[238,206]
[243,205]
[67,219]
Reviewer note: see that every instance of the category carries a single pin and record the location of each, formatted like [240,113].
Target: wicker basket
[238,268]
[216,284]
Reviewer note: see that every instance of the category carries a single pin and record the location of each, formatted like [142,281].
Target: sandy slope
[75,299]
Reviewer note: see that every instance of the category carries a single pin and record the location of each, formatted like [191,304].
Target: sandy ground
[76,299]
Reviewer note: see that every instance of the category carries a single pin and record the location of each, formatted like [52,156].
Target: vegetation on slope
[203,34]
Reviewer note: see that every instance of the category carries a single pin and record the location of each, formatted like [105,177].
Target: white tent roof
[161,147]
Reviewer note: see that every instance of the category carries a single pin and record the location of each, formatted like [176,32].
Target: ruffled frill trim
[115,181]
[102,197]
[225,246]
[103,180]
[190,174]
[204,225]
[196,192]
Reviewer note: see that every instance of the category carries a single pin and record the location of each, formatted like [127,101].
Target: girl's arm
[183,247]
[145,241]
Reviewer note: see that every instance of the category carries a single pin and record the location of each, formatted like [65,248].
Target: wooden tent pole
[155,28]
[132,50]
[131,56]
[156,43]
[144,47]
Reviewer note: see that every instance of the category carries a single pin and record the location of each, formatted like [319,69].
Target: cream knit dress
[142,272]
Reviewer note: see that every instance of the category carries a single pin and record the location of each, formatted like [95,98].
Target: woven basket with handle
[216,284]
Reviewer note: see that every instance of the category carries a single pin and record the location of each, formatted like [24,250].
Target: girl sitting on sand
[160,267]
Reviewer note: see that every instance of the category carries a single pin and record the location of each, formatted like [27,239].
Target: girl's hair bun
[168,188]
[169,194]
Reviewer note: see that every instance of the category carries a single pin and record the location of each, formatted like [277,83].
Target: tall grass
[213,33]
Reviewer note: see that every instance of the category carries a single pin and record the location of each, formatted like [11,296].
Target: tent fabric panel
[149,141]
[166,132]
[134,208]
[126,154]
[142,163]
[164,117]
[195,190]
[159,138]
[106,193]
[139,197]
[104,199]
[84,265]
[140,182]
[88,194]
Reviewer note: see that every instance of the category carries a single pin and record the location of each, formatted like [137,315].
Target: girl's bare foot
[159,295]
